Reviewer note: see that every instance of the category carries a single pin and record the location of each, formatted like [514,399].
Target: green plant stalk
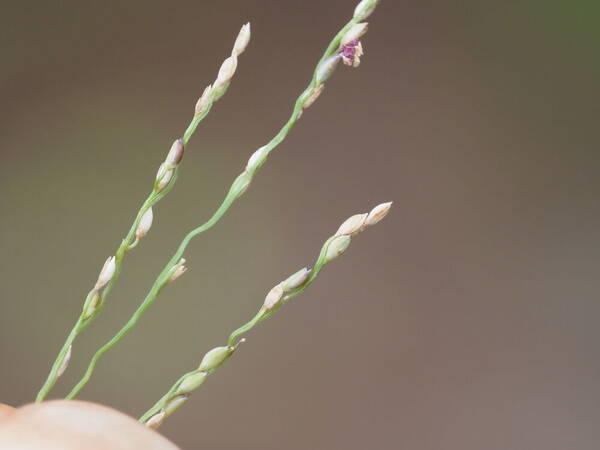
[161,281]
[126,245]
[278,296]
[237,189]
[234,338]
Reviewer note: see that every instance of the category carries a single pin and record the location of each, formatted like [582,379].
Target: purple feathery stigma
[351,53]
[349,49]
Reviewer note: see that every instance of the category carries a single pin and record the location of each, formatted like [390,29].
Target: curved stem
[129,243]
[53,375]
[161,406]
[158,285]
[83,321]
[237,189]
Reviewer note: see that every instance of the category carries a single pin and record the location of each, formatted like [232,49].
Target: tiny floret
[204,100]
[242,40]
[336,247]
[226,72]
[354,33]
[163,176]
[175,154]
[145,224]
[296,280]
[107,272]
[214,358]
[91,303]
[352,225]
[65,362]
[351,53]
[192,382]
[175,403]
[274,297]
[314,95]
[364,9]
[257,159]
[326,68]
[241,183]
[378,213]
[156,420]
[178,270]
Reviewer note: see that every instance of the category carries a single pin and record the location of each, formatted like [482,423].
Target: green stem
[161,403]
[158,285]
[82,321]
[129,243]
[237,189]
[234,337]
[53,375]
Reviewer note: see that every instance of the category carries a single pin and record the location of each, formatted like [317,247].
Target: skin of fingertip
[74,425]
[5,411]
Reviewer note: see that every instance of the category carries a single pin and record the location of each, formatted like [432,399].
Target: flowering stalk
[275,299]
[324,69]
[165,180]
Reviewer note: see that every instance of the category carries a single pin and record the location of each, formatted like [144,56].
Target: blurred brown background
[466,320]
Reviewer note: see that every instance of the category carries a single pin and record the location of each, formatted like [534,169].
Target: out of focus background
[468,319]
